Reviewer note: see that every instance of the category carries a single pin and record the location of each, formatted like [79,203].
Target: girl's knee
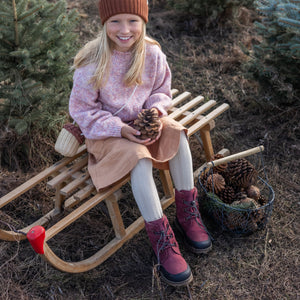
[144,165]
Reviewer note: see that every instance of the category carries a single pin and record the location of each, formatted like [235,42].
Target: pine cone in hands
[147,124]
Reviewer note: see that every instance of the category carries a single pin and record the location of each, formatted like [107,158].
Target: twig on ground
[265,253]
[155,277]
[189,291]
[13,257]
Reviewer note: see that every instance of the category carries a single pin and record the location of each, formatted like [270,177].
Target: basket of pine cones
[235,195]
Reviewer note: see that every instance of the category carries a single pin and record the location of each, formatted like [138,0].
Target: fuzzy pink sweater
[93,109]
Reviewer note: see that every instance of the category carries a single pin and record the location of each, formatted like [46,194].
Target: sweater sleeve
[86,109]
[161,97]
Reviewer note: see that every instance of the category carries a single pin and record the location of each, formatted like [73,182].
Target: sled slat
[194,114]
[73,185]
[178,112]
[85,192]
[181,98]
[66,174]
[81,210]
[194,128]
[174,92]
[35,180]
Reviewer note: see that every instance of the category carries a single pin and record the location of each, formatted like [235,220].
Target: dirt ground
[263,265]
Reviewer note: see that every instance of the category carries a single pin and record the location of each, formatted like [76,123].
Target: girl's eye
[132,21]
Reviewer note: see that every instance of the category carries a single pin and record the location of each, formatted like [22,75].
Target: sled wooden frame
[73,187]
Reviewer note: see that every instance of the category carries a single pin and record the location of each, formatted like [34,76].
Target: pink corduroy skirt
[113,158]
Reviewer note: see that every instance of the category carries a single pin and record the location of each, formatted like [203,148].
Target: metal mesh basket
[237,219]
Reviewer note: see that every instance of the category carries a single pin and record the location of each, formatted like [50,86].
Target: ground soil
[206,59]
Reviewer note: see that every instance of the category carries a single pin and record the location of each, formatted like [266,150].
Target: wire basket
[238,217]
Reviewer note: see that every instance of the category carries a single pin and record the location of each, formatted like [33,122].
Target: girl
[117,75]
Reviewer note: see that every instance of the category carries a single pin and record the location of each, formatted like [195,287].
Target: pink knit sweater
[93,109]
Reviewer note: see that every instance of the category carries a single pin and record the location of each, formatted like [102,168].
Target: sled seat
[75,194]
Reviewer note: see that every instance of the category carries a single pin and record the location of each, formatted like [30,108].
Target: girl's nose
[124,28]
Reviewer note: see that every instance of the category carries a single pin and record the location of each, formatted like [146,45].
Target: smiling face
[124,30]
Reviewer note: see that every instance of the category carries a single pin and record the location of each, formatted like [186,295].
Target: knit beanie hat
[109,8]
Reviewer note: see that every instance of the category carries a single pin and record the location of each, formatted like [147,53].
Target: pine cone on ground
[147,123]
[220,168]
[216,182]
[227,195]
[241,173]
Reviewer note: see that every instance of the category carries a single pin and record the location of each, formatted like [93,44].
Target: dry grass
[264,265]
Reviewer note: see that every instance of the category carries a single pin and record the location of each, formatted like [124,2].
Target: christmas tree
[277,57]
[37,42]
[211,9]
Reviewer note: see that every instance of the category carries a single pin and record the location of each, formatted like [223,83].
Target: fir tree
[210,9]
[37,42]
[277,57]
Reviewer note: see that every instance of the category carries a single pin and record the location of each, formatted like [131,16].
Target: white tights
[143,185]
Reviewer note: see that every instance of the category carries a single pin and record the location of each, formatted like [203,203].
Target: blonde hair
[98,51]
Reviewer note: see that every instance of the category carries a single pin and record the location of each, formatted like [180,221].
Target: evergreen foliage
[277,58]
[207,8]
[36,45]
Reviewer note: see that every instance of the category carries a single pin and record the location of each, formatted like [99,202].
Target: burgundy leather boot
[172,266]
[189,222]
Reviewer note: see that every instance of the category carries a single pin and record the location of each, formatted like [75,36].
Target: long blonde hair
[98,51]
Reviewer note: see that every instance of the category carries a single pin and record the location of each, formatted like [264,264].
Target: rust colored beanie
[109,8]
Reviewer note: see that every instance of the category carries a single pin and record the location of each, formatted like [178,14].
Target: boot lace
[193,213]
[164,242]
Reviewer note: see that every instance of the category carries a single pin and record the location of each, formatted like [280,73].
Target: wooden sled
[73,187]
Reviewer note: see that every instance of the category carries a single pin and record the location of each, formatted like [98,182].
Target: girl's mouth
[124,38]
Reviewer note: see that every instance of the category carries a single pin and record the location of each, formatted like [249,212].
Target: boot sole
[174,283]
[186,243]
[181,283]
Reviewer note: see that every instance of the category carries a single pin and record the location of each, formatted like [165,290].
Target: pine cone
[240,196]
[227,195]
[253,192]
[215,181]
[262,200]
[246,203]
[257,215]
[241,173]
[203,177]
[220,168]
[233,221]
[147,124]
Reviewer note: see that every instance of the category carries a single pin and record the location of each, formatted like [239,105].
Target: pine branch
[287,22]
[8,42]
[30,12]
[16,23]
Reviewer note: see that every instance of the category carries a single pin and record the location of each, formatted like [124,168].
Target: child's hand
[131,134]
